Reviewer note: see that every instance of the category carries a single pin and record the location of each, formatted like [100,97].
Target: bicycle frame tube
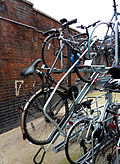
[60,51]
[117,151]
[61,54]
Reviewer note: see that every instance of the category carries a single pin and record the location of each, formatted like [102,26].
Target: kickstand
[36,156]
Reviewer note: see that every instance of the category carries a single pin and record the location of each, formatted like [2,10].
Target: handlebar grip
[82,27]
[72,22]
[86,27]
[94,24]
[69,23]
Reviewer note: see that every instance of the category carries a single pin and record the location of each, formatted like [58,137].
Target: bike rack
[79,99]
[97,69]
[64,76]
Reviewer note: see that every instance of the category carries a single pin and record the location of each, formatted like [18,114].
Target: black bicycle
[36,127]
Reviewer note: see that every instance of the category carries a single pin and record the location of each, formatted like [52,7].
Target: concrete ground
[15,150]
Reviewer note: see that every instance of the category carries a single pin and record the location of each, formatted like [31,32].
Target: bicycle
[108,47]
[58,107]
[87,134]
[63,110]
[65,51]
[33,109]
[107,148]
[54,47]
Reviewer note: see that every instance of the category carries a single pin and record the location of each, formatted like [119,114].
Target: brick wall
[20,45]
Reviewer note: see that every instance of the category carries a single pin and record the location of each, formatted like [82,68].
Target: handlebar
[64,25]
[91,25]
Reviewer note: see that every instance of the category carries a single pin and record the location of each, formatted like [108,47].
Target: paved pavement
[14,150]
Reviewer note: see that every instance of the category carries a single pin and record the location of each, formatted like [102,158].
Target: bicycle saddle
[30,70]
[87,103]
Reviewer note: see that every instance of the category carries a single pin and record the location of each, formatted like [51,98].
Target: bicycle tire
[76,148]
[108,117]
[106,58]
[103,152]
[51,51]
[37,128]
[85,74]
[84,70]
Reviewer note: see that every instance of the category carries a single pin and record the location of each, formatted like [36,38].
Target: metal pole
[116,42]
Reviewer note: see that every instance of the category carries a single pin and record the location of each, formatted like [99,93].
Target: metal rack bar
[64,76]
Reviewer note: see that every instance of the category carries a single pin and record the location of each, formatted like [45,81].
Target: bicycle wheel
[105,56]
[77,146]
[83,69]
[37,128]
[105,45]
[55,53]
[106,151]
